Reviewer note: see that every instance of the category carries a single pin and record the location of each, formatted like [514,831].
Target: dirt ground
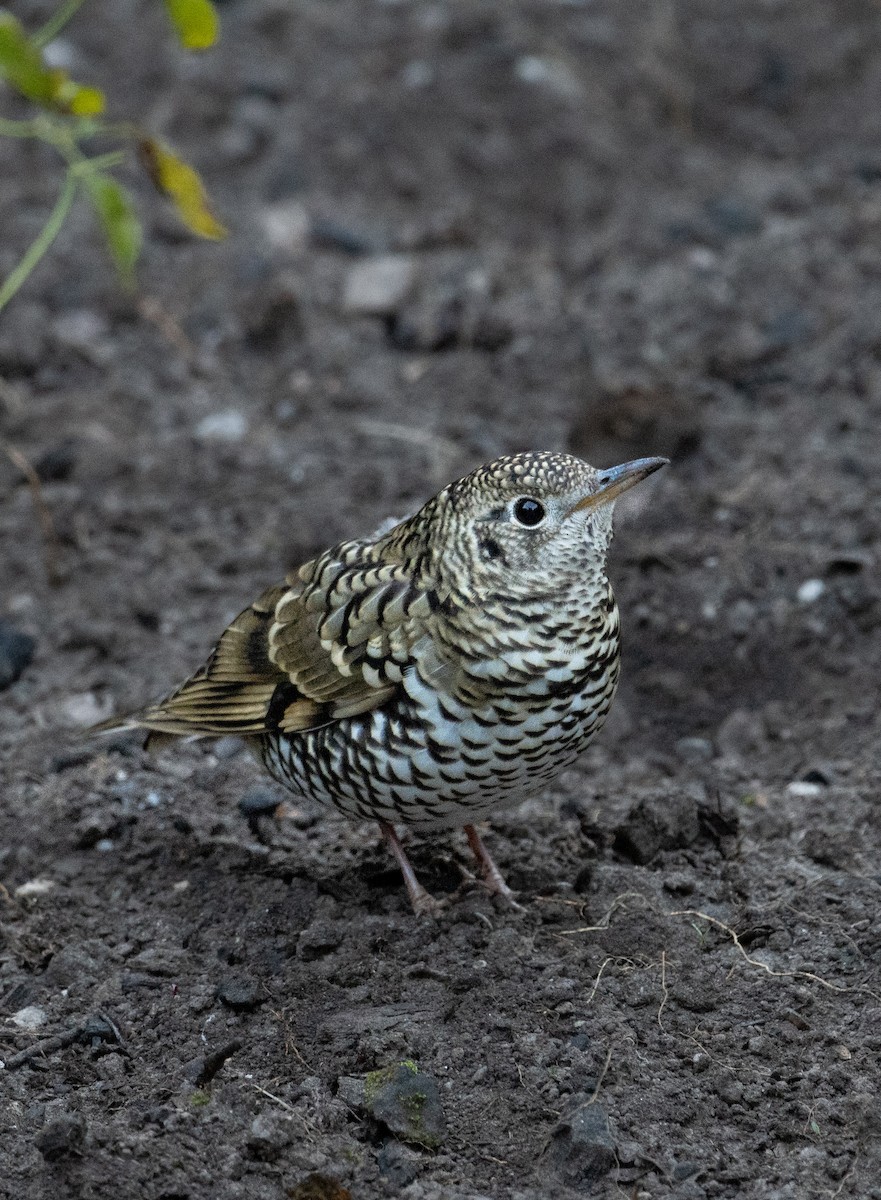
[632,228]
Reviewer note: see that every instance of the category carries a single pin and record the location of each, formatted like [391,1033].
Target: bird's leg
[424,904]
[495,883]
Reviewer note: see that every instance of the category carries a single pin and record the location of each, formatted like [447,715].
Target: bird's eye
[528,511]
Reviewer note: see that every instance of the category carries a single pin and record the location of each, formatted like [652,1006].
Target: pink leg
[424,904]
[491,873]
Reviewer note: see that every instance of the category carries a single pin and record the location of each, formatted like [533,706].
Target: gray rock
[377,286]
[269,1135]
[407,1102]
[30,1017]
[581,1150]
[240,993]
[16,652]
[228,426]
[694,749]
[398,1164]
[350,1089]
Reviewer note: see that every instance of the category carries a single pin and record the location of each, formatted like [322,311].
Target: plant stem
[55,24]
[20,129]
[43,240]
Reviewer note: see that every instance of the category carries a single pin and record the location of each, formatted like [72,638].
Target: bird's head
[529,520]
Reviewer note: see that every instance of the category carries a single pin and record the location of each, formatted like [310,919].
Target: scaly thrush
[434,673]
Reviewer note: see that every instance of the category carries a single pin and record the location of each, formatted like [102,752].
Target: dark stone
[329,235]
[822,775]
[275,323]
[661,823]
[258,802]
[61,1137]
[16,651]
[57,463]
[318,939]
[397,1164]
[407,1102]
[581,1150]
[240,993]
[97,1029]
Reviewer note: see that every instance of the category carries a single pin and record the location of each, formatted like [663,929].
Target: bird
[433,673]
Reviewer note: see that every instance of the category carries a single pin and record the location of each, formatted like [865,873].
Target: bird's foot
[493,880]
[421,901]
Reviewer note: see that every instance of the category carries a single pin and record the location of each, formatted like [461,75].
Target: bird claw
[426,905]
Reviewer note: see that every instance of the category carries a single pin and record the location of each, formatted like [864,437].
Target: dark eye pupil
[529,512]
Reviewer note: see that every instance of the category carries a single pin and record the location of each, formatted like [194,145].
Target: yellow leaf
[195,21]
[177,180]
[77,99]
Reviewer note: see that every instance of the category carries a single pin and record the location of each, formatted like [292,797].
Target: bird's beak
[615,480]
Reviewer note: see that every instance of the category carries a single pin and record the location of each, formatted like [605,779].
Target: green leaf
[21,63]
[22,66]
[177,180]
[195,21]
[120,224]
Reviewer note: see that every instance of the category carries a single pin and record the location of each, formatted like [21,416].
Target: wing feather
[331,642]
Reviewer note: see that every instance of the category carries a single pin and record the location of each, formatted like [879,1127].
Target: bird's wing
[331,642]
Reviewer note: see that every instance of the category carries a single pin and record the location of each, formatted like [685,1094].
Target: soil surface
[621,229]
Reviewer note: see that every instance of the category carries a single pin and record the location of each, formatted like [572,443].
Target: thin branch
[664,991]
[42,241]
[26,128]
[757,962]
[41,508]
[599,1083]
[55,24]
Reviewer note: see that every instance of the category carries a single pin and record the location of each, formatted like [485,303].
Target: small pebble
[803,790]
[376,286]
[694,749]
[258,802]
[229,426]
[34,887]
[85,708]
[551,73]
[239,993]
[228,747]
[286,225]
[80,329]
[30,1017]
[810,590]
